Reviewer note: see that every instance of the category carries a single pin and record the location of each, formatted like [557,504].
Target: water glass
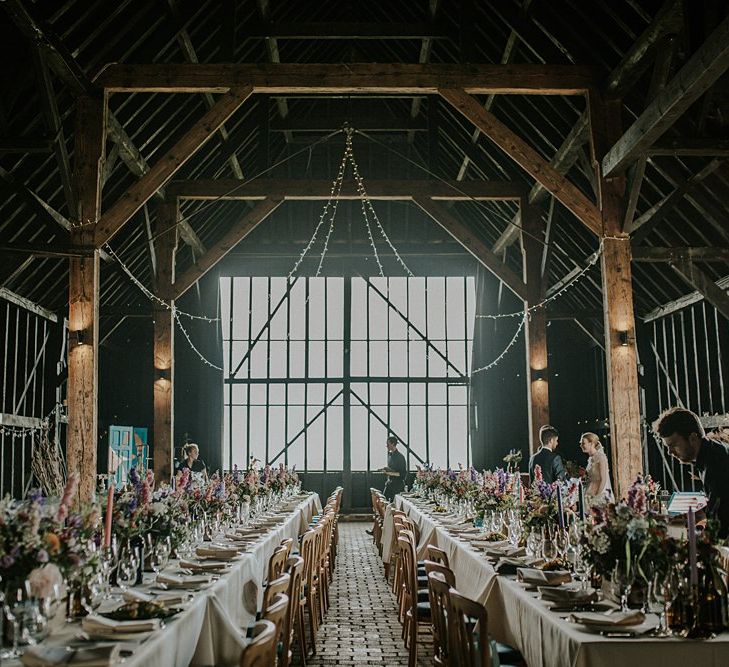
[622,583]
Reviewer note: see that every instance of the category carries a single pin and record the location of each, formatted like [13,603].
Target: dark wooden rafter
[187,47]
[295,189]
[641,227]
[426,48]
[680,254]
[690,147]
[166,167]
[341,30]
[237,232]
[700,281]
[523,79]
[41,207]
[465,235]
[682,302]
[661,71]
[25,145]
[667,21]
[697,75]
[526,157]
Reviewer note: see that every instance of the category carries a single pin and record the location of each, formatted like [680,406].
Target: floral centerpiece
[540,506]
[497,491]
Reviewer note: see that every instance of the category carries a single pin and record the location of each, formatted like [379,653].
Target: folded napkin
[94,624]
[507,552]
[567,595]
[178,581]
[614,619]
[49,656]
[204,566]
[216,551]
[535,577]
[494,546]
[168,600]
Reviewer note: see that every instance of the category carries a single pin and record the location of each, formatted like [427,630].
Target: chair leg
[312,623]
[301,631]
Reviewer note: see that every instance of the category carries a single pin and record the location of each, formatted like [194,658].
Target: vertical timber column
[83,298]
[165,235]
[617,293]
[537,360]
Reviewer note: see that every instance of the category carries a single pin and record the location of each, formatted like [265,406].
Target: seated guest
[549,461]
[599,488]
[685,438]
[192,461]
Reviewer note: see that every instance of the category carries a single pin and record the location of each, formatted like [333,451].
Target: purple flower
[7,561]
[134,477]
[42,556]
[35,496]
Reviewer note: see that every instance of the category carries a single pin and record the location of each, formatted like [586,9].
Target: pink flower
[45,580]
[68,493]
[538,477]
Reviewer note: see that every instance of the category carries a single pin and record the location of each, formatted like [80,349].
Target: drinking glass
[562,543]
[582,567]
[13,626]
[533,543]
[515,533]
[622,583]
[126,574]
[662,593]
[549,546]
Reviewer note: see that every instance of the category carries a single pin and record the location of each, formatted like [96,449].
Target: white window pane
[316,308]
[278,359]
[258,432]
[335,307]
[378,358]
[417,358]
[259,312]
[359,309]
[298,359]
[398,352]
[224,285]
[417,305]
[241,290]
[297,309]
[315,437]
[316,359]
[358,358]
[436,307]
[437,436]
[358,438]
[455,305]
[457,357]
[334,446]
[259,359]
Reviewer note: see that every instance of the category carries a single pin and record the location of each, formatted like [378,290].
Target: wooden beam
[381,78]
[343,30]
[471,242]
[33,307]
[682,302]
[526,157]
[83,310]
[229,240]
[45,250]
[380,122]
[166,167]
[25,145]
[654,254]
[537,358]
[698,74]
[315,190]
[701,282]
[619,318]
[690,147]
[165,243]
[562,162]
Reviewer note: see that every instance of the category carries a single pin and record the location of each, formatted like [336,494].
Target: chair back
[410,572]
[287,544]
[306,548]
[468,638]
[296,574]
[437,555]
[438,588]
[277,563]
[261,652]
[276,613]
[450,577]
[275,588]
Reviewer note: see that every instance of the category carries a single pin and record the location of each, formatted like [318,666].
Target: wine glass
[126,574]
[582,567]
[515,533]
[562,543]
[13,625]
[549,545]
[662,594]
[622,583]
[533,543]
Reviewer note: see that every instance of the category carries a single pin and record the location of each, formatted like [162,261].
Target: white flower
[43,581]
[158,508]
[637,528]
[601,542]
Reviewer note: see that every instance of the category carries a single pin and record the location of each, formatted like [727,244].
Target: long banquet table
[208,631]
[517,616]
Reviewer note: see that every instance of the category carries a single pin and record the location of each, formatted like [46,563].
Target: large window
[318,370]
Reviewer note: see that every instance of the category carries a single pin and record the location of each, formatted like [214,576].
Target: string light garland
[202,357]
[24,431]
[505,351]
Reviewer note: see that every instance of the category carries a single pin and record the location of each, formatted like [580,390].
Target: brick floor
[361,627]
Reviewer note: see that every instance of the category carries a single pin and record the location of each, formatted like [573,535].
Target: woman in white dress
[599,489]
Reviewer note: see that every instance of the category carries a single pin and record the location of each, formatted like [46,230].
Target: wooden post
[617,294]
[537,361]
[166,236]
[83,298]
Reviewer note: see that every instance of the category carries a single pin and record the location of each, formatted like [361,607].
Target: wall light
[77,338]
[162,374]
[539,375]
[623,338]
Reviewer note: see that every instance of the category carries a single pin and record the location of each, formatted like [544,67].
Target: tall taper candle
[109,510]
[691,524]
[582,499]
[560,508]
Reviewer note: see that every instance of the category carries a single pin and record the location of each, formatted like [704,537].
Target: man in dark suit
[396,470]
[549,461]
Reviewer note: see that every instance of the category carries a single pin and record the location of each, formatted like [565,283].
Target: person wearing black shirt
[546,458]
[685,438]
[396,470]
[192,460]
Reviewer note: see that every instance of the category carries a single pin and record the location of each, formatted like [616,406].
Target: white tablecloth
[518,617]
[208,632]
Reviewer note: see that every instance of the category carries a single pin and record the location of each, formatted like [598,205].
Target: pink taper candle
[109,510]
[691,522]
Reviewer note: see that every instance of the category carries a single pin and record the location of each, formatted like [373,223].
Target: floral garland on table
[45,542]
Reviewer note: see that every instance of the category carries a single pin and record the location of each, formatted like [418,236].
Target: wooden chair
[437,555]
[295,616]
[287,544]
[438,591]
[417,613]
[261,652]
[308,552]
[468,639]
[276,613]
[276,563]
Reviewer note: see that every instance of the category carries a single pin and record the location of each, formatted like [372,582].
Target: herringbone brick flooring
[361,627]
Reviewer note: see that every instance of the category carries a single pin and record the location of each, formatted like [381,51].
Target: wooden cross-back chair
[274,588]
[276,613]
[437,555]
[308,549]
[468,640]
[276,563]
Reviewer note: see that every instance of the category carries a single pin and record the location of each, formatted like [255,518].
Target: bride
[598,487]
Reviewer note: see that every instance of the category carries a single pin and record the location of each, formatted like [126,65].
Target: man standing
[685,438]
[396,470]
[549,461]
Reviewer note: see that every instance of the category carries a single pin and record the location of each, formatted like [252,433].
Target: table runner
[208,631]
[519,618]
